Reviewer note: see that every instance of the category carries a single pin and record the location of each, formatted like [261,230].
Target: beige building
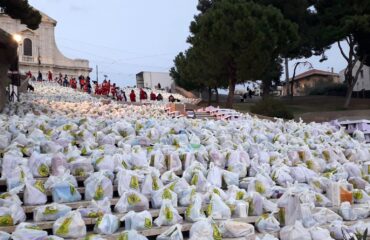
[38,50]
[305,82]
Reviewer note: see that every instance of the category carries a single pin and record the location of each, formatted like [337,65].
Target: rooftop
[314,72]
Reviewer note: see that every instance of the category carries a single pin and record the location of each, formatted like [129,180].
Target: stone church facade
[38,50]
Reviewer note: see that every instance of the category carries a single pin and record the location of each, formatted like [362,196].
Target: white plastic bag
[63,188]
[98,187]
[11,215]
[163,194]
[294,232]
[194,211]
[214,176]
[205,230]
[138,221]
[70,226]
[217,209]
[4,235]
[173,233]
[325,216]
[39,164]
[131,235]
[318,233]
[267,223]
[108,224]
[96,209]
[347,212]
[28,231]
[132,201]
[151,183]
[34,193]
[234,229]
[128,180]
[50,212]
[168,215]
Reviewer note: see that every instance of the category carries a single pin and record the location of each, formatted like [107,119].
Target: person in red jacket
[113,90]
[50,76]
[153,97]
[132,96]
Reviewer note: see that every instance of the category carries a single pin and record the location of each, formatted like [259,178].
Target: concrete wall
[43,47]
[151,80]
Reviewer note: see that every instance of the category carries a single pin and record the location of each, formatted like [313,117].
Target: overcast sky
[124,37]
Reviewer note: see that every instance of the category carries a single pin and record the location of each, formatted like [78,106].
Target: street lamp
[17,38]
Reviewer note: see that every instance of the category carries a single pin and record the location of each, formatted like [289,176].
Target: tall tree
[20,9]
[240,37]
[193,73]
[348,22]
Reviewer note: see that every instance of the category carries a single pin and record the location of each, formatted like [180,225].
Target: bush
[329,90]
[272,108]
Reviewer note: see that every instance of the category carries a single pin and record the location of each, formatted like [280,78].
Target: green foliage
[329,90]
[272,108]
[347,20]
[233,40]
[20,9]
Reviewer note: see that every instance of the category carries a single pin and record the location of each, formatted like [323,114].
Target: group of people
[103,89]
[144,96]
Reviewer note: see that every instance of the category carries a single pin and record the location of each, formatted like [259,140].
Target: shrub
[329,90]
[272,108]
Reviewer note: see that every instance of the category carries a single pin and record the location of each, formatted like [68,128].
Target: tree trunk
[209,96]
[232,83]
[230,97]
[348,96]
[217,97]
[266,88]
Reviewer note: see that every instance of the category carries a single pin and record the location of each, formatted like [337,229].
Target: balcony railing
[28,59]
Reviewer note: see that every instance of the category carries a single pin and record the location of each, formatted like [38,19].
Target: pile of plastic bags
[294,177]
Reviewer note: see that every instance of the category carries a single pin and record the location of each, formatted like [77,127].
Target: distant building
[152,79]
[305,82]
[363,81]
[38,50]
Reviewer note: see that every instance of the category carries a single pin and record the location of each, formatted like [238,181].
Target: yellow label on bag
[123,236]
[133,199]
[64,228]
[259,187]
[40,186]
[148,223]
[99,193]
[50,210]
[239,195]
[216,232]
[155,185]
[188,210]
[168,214]
[6,220]
[194,180]
[134,182]
[209,210]
[166,194]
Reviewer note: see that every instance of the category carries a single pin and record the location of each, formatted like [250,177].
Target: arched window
[27,47]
